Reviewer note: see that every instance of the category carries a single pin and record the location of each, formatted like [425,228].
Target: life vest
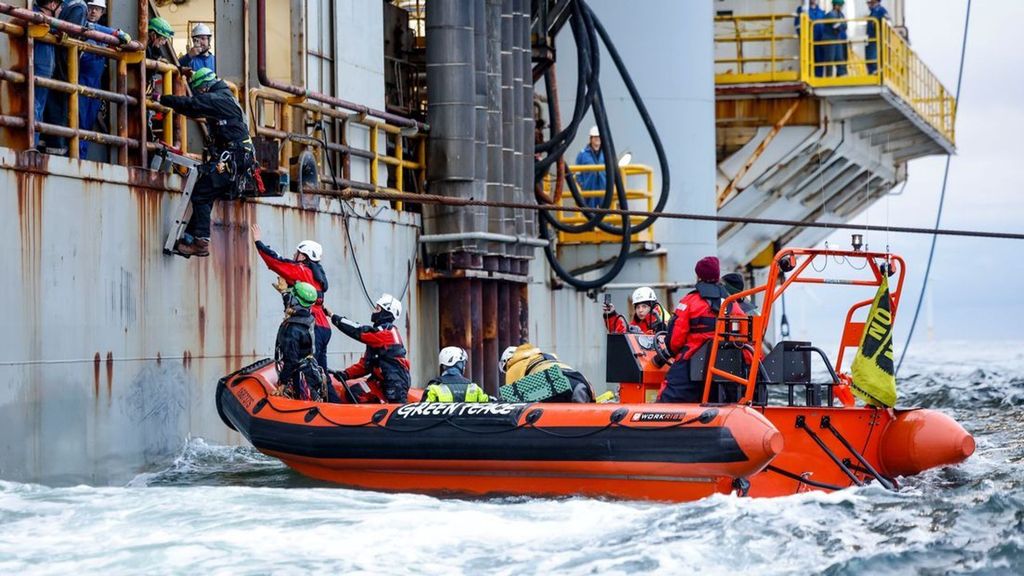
[528,360]
[713,294]
[450,388]
[305,321]
[389,363]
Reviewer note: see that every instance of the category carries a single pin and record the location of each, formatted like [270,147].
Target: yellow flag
[874,379]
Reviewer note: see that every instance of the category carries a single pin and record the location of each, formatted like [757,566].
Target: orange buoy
[917,440]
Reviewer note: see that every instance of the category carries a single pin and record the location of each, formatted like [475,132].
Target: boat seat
[789,364]
[729,359]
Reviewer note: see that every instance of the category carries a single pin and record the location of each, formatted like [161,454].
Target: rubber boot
[200,247]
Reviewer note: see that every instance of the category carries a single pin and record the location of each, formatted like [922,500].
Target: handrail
[295,111]
[37,28]
[68,27]
[797,261]
[266,80]
[769,48]
[644,193]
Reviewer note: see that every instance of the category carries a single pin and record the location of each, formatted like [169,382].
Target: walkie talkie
[607,298]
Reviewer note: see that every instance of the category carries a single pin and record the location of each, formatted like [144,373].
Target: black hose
[587,33]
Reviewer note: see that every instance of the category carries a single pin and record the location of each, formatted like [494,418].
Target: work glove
[281,286]
[609,309]
[123,36]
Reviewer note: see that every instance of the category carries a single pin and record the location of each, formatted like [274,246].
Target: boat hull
[641,451]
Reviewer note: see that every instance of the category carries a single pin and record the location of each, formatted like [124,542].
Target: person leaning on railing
[814,12]
[878,12]
[43,57]
[834,34]
[90,70]
[229,168]
[56,110]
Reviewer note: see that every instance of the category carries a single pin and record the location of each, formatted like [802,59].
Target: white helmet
[201,30]
[99,3]
[505,357]
[389,303]
[451,355]
[644,294]
[594,132]
[312,250]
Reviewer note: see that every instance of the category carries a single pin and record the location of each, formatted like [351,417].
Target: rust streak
[96,375]
[110,373]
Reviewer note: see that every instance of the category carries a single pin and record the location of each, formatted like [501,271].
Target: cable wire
[942,196]
[455,201]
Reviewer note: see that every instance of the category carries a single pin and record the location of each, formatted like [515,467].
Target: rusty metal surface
[110,357]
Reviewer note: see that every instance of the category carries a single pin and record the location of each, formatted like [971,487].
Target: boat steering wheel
[662,355]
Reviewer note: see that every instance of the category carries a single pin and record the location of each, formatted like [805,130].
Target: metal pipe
[477,219]
[490,338]
[266,80]
[69,28]
[517,119]
[507,120]
[527,225]
[451,89]
[494,136]
[55,130]
[68,87]
[488,236]
[476,329]
[652,285]
[504,331]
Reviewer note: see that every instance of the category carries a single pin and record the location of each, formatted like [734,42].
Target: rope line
[942,196]
[451,201]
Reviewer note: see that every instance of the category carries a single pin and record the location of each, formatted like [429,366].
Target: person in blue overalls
[42,60]
[877,11]
[199,55]
[814,12]
[591,155]
[834,33]
[91,67]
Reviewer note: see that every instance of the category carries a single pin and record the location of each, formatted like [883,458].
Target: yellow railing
[133,87]
[276,112]
[639,182]
[20,82]
[769,48]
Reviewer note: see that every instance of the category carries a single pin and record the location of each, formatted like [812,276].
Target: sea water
[231,510]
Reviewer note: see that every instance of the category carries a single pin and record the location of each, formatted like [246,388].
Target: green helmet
[161,27]
[201,78]
[304,294]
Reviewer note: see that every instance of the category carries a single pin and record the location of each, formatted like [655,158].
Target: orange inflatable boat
[636,451]
[764,429]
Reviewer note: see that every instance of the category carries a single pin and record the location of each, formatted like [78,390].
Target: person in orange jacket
[693,324]
[303,267]
[648,315]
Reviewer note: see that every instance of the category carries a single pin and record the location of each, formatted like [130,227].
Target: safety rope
[942,196]
[451,201]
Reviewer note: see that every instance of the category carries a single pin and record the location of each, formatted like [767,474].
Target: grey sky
[975,282]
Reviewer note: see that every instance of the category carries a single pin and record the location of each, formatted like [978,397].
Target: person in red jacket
[384,361]
[304,267]
[693,324]
[648,315]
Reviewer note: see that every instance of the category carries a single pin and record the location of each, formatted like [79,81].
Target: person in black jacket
[230,166]
[298,375]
